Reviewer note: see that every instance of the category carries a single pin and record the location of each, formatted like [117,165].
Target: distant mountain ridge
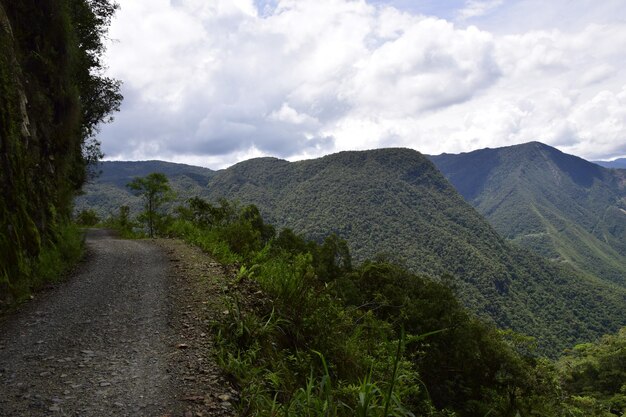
[558,205]
[395,201]
[106,193]
[118,172]
[617,163]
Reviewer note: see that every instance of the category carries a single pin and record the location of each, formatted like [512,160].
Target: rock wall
[40,141]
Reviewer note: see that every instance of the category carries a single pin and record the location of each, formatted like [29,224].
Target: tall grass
[209,240]
[304,356]
[58,254]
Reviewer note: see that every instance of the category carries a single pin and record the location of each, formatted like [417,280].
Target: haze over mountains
[394,201]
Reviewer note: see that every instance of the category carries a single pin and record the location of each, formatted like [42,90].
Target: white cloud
[475,8]
[600,125]
[597,73]
[216,81]
[289,115]
[429,66]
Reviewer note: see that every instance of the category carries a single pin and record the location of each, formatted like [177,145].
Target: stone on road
[98,344]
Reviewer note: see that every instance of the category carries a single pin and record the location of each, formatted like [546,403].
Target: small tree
[155,191]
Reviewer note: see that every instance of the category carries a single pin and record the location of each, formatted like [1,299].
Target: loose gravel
[121,337]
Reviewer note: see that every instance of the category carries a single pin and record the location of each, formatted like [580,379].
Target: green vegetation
[53,97]
[109,191]
[60,251]
[154,190]
[58,255]
[394,203]
[87,217]
[594,375]
[307,333]
[124,225]
[557,205]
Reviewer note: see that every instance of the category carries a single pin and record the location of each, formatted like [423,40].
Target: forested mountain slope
[108,192]
[394,201]
[558,205]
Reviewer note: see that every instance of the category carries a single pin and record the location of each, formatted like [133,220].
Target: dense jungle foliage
[307,332]
[54,95]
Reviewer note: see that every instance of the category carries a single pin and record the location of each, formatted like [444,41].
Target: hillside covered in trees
[304,331]
[54,95]
[108,192]
[557,205]
[394,204]
[409,315]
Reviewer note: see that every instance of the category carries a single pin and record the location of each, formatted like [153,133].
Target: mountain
[617,163]
[108,191]
[118,172]
[558,205]
[395,202]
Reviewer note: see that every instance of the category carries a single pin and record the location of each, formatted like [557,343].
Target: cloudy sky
[214,82]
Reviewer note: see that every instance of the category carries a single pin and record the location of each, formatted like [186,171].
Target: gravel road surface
[99,344]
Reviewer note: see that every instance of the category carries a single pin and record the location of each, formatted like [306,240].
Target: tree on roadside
[155,191]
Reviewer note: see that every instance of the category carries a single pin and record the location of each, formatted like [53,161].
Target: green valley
[557,205]
[370,283]
[394,204]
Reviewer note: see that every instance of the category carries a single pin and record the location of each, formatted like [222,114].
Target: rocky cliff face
[20,237]
[41,160]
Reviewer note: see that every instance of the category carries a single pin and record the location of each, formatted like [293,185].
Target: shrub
[87,217]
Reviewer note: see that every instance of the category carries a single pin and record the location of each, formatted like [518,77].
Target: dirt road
[104,343]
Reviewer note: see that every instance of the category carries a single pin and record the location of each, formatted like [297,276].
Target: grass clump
[59,252]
